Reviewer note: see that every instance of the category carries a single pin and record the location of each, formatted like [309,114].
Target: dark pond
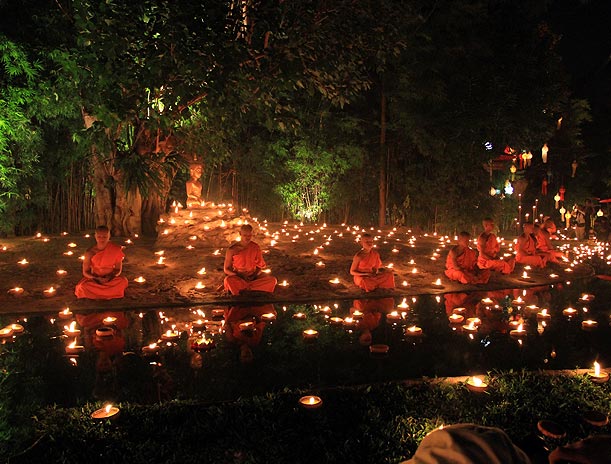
[238,351]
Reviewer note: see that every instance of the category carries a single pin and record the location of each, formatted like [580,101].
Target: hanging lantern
[492,191]
[557,199]
[513,170]
[567,216]
[528,156]
[562,211]
[574,165]
[544,150]
[544,183]
[600,213]
[561,191]
[521,159]
[508,188]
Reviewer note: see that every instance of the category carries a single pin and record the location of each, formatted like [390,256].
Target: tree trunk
[382,159]
[103,186]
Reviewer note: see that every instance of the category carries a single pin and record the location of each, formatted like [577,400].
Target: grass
[380,423]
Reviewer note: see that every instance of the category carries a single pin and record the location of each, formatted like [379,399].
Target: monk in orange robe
[526,252]
[367,268]
[243,265]
[488,247]
[544,241]
[461,263]
[102,267]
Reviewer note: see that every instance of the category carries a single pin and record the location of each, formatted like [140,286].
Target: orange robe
[246,261]
[384,279]
[102,263]
[467,271]
[491,247]
[545,247]
[527,252]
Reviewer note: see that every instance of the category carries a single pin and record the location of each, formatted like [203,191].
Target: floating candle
[336,321]
[543,314]
[519,332]
[110,320]
[299,316]
[6,332]
[151,348]
[104,332]
[73,348]
[17,328]
[16,291]
[71,330]
[268,317]
[198,324]
[61,272]
[456,318]
[379,348]
[65,314]
[49,292]
[589,324]
[569,312]
[248,326]
[393,316]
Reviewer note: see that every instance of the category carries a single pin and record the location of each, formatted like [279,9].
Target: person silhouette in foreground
[367,269]
[102,267]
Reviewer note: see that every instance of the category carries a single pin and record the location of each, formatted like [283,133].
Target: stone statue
[194,186]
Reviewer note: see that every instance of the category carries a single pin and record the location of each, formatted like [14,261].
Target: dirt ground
[307,258]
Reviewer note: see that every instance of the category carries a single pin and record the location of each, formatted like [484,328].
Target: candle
[456,318]
[170,335]
[299,316]
[6,332]
[23,262]
[519,332]
[160,262]
[107,412]
[49,292]
[17,328]
[151,348]
[140,279]
[460,310]
[268,317]
[356,314]
[394,316]
[471,327]
[336,321]
[65,314]
[476,384]
[413,331]
[248,326]
[525,276]
[110,320]
[543,315]
[334,281]
[203,344]
[198,325]
[569,312]
[71,330]
[284,283]
[437,283]
[16,291]
[589,324]
[73,348]
[349,322]
[597,376]
[310,402]
[61,272]
[587,297]
[310,334]
[379,348]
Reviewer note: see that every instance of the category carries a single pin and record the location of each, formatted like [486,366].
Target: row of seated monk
[244,262]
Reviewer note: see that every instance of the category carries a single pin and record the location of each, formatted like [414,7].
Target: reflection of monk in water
[372,313]
[194,186]
[244,326]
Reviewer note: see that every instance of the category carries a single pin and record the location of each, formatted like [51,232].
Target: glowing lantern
[557,199]
[544,150]
[513,170]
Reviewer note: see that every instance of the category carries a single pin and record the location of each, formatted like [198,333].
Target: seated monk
[488,247]
[101,269]
[243,265]
[526,249]
[544,241]
[367,268]
[461,263]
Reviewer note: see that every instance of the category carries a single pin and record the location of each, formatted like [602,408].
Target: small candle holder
[379,349]
[336,321]
[150,349]
[109,321]
[16,292]
[476,384]
[543,315]
[596,418]
[268,317]
[105,331]
[6,332]
[170,336]
[107,412]
[456,318]
[413,331]
[310,402]
[589,325]
[65,314]
[300,316]
[569,312]
[310,334]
